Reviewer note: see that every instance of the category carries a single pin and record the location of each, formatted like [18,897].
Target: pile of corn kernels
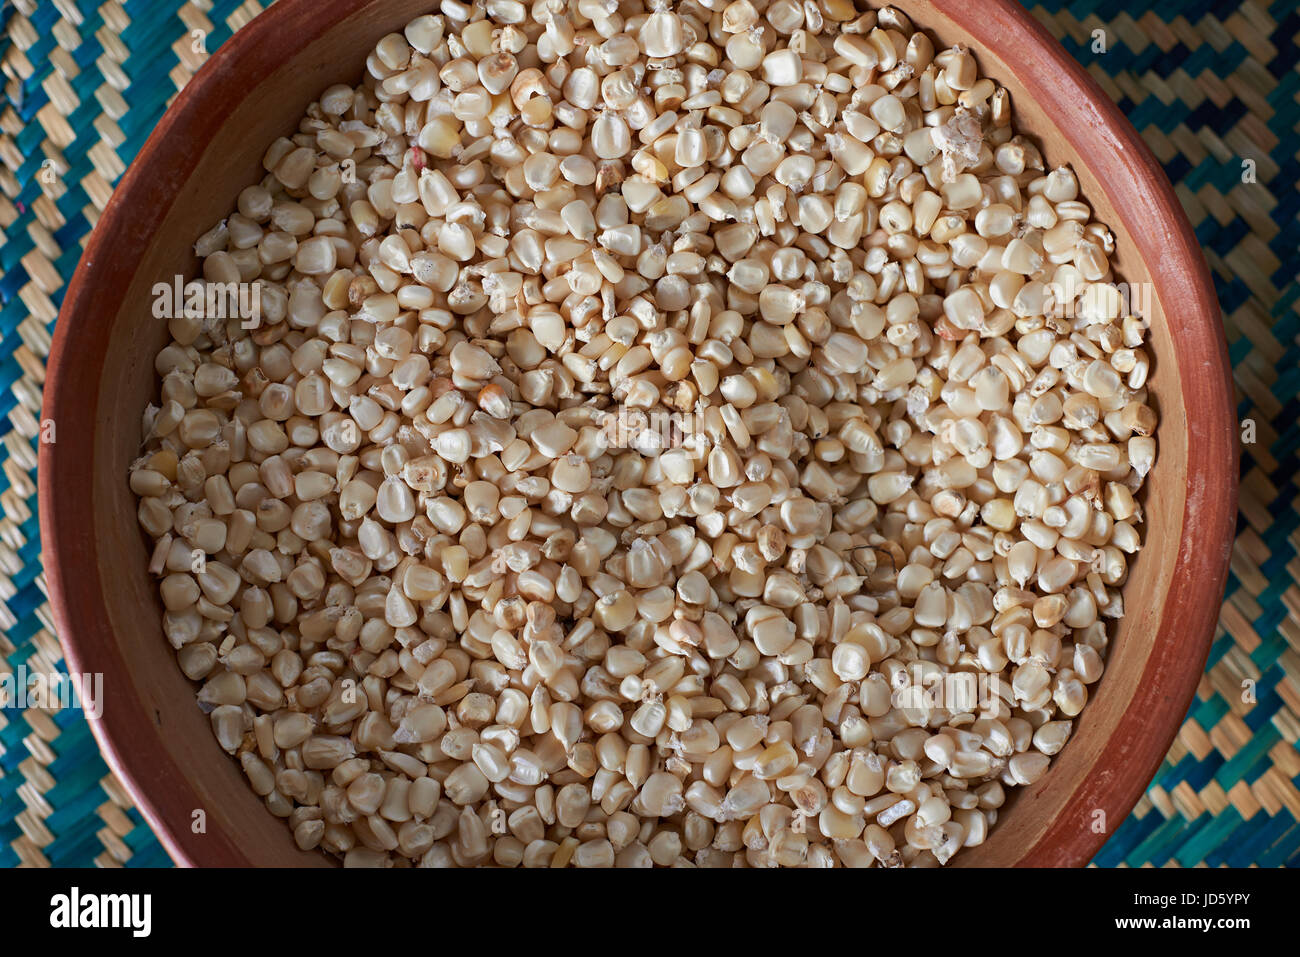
[653,409]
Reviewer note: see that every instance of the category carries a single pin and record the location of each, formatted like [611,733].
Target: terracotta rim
[1169,679]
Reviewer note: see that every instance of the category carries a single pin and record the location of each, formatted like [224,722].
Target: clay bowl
[209,145]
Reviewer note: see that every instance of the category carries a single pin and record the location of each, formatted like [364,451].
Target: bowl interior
[210,147]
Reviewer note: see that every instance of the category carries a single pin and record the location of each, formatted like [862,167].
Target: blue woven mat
[1210,84]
